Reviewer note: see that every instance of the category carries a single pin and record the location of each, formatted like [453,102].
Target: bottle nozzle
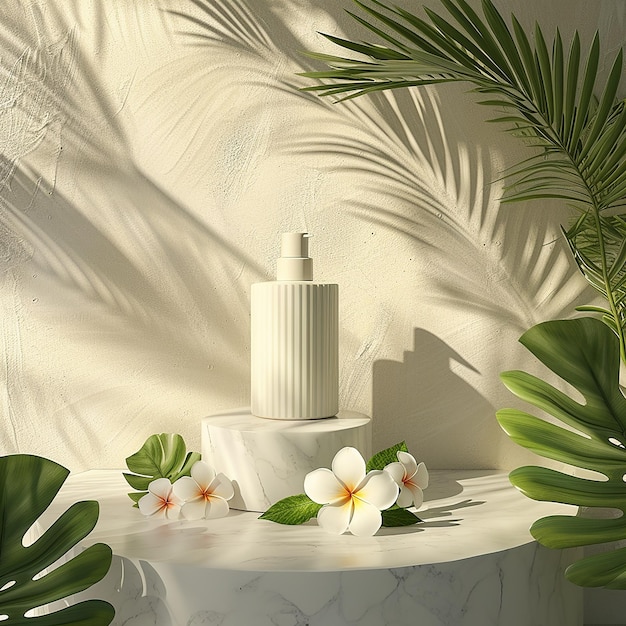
[294,262]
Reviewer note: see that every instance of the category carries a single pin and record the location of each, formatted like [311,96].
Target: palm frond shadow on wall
[427,178]
[421,173]
[65,247]
[427,182]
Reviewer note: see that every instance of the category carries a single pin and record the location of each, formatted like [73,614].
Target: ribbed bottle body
[294,350]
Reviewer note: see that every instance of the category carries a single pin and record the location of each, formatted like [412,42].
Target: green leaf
[562,445]
[545,484]
[373,51]
[487,41]
[140,483]
[571,85]
[476,47]
[399,517]
[292,510]
[608,99]
[558,72]
[566,531]
[28,484]
[185,470]
[158,456]
[591,72]
[135,496]
[585,353]
[381,459]
[593,309]
[161,456]
[600,570]
[504,38]
[544,68]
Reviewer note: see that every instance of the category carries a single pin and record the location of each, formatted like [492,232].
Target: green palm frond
[582,238]
[552,98]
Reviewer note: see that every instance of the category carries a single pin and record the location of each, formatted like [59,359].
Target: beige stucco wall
[148,164]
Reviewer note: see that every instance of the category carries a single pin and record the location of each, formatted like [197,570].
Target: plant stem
[607,282]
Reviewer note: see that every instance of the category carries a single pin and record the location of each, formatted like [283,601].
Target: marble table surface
[465,514]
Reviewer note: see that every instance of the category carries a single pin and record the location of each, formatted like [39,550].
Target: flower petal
[378,488]
[349,467]
[174,499]
[186,488]
[335,518]
[409,462]
[172,511]
[150,504]
[397,472]
[194,509]
[322,486]
[160,487]
[405,499]
[366,519]
[202,473]
[421,476]
[417,495]
[222,487]
[216,507]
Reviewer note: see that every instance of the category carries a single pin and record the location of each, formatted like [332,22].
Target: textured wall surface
[150,154]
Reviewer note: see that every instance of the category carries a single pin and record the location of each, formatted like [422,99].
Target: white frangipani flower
[205,493]
[352,500]
[411,478]
[160,501]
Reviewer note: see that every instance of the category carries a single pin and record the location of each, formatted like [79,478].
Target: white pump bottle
[294,339]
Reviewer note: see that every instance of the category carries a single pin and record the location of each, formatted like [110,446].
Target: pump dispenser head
[294,263]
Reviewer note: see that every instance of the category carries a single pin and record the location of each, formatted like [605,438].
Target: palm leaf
[585,354]
[553,101]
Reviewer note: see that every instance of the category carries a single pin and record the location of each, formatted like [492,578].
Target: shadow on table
[435,517]
[442,486]
[136,591]
[431,517]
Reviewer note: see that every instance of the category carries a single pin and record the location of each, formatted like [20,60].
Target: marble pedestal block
[267,460]
[471,562]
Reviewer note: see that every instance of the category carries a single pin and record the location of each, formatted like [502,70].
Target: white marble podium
[471,563]
[267,459]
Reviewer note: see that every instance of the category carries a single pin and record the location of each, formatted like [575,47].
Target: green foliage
[292,510]
[551,98]
[28,484]
[161,456]
[381,459]
[585,354]
[554,99]
[396,516]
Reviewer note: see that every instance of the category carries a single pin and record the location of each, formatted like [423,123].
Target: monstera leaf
[585,353]
[28,484]
[161,456]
